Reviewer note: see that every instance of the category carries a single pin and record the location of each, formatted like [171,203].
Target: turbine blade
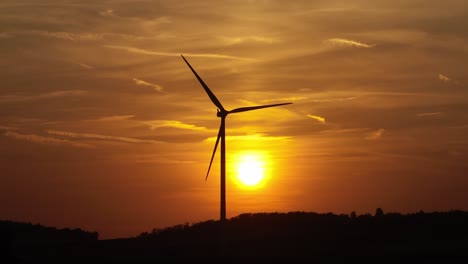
[250,108]
[214,151]
[207,90]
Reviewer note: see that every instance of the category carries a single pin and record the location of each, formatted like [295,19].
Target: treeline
[22,242]
[415,237]
[451,223]
[37,232]
[307,235]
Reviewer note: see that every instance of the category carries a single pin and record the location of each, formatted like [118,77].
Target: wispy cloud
[7,128]
[114,118]
[286,99]
[170,54]
[100,137]
[174,124]
[156,87]
[447,79]
[19,98]
[107,12]
[374,135]
[318,118]
[253,137]
[247,39]
[158,159]
[46,140]
[5,35]
[348,42]
[155,22]
[330,100]
[67,35]
[429,114]
[64,93]
[83,65]
[444,78]
[85,36]
[344,131]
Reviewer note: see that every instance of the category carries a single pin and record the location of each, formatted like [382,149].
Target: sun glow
[250,168]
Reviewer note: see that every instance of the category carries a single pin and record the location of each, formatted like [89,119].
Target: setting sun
[250,170]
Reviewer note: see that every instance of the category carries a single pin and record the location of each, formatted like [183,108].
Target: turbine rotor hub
[220,113]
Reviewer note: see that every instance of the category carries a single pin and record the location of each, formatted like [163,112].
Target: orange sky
[104,127]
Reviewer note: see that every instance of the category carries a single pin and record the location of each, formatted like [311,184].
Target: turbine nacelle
[221,113]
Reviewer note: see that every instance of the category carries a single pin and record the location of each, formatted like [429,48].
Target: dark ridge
[26,242]
[29,231]
[440,236]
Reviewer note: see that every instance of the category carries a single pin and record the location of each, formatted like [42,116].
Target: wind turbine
[223,113]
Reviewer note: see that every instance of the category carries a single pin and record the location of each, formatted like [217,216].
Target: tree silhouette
[379,212]
[256,236]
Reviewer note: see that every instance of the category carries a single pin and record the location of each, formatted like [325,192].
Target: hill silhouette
[289,236]
[26,242]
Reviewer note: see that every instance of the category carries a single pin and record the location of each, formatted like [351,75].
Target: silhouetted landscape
[258,236]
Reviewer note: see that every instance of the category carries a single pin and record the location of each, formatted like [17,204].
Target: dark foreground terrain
[420,237]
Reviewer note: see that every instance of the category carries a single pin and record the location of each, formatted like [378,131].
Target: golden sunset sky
[104,127]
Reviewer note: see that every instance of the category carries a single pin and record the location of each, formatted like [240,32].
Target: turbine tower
[223,113]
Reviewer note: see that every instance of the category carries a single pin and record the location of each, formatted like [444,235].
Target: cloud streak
[114,118]
[7,128]
[170,54]
[430,114]
[350,43]
[444,78]
[55,94]
[83,65]
[318,118]
[67,35]
[139,82]
[173,124]
[5,35]
[292,98]
[158,159]
[46,140]
[374,135]
[253,137]
[248,39]
[100,137]
[107,12]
